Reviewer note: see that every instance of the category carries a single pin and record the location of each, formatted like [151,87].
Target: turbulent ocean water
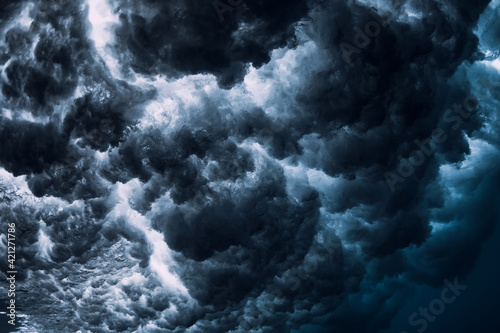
[246,166]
